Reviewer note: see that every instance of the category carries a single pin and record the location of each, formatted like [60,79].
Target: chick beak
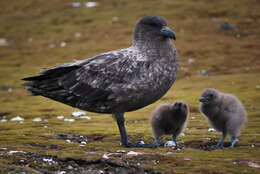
[167,32]
[203,100]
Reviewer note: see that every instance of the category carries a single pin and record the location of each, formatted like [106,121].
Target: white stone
[170,144]
[105,156]
[91,4]
[134,153]
[3,120]
[68,141]
[61,172]
[75,4]
[78,113]
[211,130]
[15,151]
[69,119]
[77,35]
[3,42]
[83,143]
[121,151]
[141,142]
[63,44]
[17,118]
[37,119]
[85,117]
[60,117]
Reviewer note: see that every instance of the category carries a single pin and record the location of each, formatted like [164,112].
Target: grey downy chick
[169,119]
[224,112]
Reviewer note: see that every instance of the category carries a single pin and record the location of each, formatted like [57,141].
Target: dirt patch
[52,164]
[47,147]
[202,145]
[80,138]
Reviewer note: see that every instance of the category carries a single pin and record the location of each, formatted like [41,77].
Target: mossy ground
[231,60]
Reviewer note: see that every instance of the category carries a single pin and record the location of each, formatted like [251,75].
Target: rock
[69,119]
[68,141]
[141,142]
[133,153]
[78,113]
[91,4]
[18,118]
[29,40]
[105,156]
[204,72]
[75,4]
[83,143]
[3,42]
[121,151]
[170,144]
[61,172]
[190,60]
[60,117]
[37,119]
[211,130]
[85,117]
[52,45]
[77,35]
[63,44]
[3,120]
[15,151]
[226,26]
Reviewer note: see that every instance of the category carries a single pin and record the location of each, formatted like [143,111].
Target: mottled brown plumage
[224,112]
[169,119]
[117,81]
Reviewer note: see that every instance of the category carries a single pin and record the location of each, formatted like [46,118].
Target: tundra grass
[209,57]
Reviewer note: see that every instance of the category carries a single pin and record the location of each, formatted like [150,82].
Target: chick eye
[211,95]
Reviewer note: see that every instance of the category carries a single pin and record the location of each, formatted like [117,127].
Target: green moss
[230,57]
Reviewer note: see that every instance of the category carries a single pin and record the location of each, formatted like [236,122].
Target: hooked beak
[203,99]
[167,32]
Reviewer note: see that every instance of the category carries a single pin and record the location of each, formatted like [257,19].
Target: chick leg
[220,144]
[233,142]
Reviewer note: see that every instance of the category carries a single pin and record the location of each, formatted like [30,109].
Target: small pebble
[170,144]
[63,44]
[85,117]
[77,35]
[226,26]
[3,42]
[37,119]
[91,4]
[121,151]
[3,120]
[60,117]
[78,113]
[69,119]
[105,156]
[82,143]
[211,130]
[134,153]
[15,151]
[52,45]
[75,4]
[18,118]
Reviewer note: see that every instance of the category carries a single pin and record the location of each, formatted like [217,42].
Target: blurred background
[218,44]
